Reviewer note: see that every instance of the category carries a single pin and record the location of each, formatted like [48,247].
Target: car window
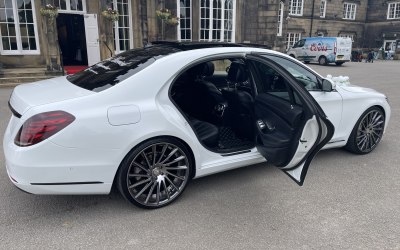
[303,76]
[269,81]
[300,43]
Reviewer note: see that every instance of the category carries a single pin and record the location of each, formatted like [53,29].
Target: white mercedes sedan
[151,119]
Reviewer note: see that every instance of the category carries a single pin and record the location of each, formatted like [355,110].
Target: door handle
[262,125]
[303,141]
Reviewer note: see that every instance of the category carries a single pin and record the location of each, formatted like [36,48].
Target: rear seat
[206,132]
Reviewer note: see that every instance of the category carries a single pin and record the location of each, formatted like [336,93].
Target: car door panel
[281,119]
[300,128]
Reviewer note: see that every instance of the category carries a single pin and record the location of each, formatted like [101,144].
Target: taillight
[41,126]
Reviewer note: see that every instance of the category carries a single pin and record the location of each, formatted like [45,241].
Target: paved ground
[347,202]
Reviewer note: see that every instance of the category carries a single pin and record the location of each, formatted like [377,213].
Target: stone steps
[11,77]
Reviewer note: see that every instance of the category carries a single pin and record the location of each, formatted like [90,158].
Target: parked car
[323,50]
[150,119]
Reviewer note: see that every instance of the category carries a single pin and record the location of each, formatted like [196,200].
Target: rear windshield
[114,70]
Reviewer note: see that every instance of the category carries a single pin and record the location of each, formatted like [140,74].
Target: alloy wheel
[370,130]
[157,174]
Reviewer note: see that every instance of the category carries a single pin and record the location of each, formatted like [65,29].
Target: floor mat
[228,140]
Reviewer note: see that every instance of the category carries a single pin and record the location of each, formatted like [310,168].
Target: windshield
[114,70]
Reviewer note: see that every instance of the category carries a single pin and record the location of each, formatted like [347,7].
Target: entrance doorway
[72,39]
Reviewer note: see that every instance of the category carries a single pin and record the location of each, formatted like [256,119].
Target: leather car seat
[206,132]
[202,98]
[240,102]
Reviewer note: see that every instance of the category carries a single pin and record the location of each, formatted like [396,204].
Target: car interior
[219,100]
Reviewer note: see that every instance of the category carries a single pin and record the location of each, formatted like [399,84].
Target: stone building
[81,35]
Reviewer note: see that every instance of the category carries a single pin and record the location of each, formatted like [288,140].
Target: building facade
[82,35]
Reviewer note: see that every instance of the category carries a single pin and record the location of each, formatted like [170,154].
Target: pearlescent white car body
[84,157]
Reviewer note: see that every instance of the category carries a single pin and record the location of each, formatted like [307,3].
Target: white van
[323,50]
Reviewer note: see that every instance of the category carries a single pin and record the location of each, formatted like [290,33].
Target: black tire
[292,55]
[155,173]
[368,132]
[322,60]
[306,62]
[339,63]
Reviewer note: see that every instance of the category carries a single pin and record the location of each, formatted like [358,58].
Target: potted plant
[49,11]
[110,14]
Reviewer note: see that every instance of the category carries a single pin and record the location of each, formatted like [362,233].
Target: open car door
[291,126]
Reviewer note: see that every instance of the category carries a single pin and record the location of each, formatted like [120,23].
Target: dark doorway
[72,39]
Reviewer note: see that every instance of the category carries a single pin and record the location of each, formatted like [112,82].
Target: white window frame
[187,29]
[210,28]
[347,36]
[116,27]
[20,50]
[396,10]
[322,9]
[291,39]
[296,7]
[348,12]
[68,8]
[280,18]
[226,19]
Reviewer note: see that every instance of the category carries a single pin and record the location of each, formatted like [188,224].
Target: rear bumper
[61,188]
[47,168]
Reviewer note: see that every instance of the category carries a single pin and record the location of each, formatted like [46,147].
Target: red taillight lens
[41,126]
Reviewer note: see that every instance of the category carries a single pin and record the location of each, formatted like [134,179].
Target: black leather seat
[240,102]
[199,97]
[206,132]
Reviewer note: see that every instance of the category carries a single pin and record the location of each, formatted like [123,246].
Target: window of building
[322,9]
[228,21]
[347,35]
[185,20]
[217,20]
[122,31]
[18,28]
[291,39]
[70,5]
[393,11]
[296,7]
[349,11]
[280,19]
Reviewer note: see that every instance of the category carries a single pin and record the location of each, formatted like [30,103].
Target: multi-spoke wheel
[155,173]
[367,132]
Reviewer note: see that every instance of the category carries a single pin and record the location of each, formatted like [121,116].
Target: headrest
[208,69]
[237,72]
[203,70]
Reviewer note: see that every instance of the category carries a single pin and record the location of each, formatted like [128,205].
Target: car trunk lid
[57,89]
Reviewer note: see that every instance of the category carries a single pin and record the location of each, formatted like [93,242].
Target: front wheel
[155,173]
[322,60]
[368,131]
[339,63]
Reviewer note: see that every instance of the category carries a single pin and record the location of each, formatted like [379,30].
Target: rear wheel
[155,173]
[368,131]
[292,55]
[322,60]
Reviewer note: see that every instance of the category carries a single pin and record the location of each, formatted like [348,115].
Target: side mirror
[326,85]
